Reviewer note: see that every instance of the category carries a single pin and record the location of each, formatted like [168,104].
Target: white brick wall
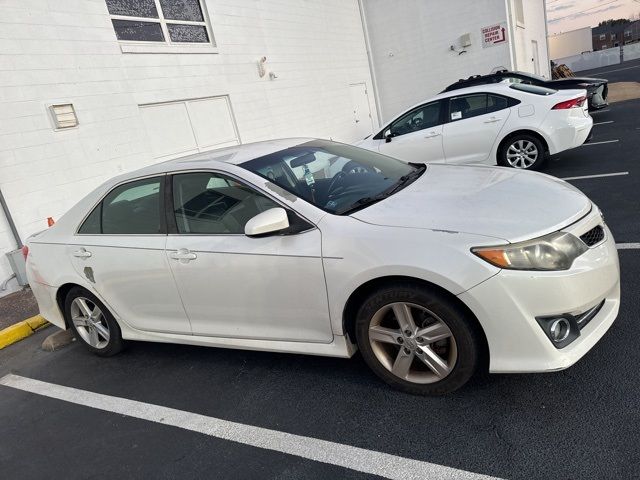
[54,51]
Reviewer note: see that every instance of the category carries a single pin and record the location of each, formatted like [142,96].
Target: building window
[160,21]
[613,36]
[627,33]
[603,36]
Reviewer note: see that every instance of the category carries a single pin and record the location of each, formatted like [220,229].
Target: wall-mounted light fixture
[261,67]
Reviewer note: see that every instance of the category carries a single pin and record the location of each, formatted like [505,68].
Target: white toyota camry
[513,125]
[311,246]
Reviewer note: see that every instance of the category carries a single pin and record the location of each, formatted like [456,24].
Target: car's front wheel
[92,323]
[417,339]
[522,151]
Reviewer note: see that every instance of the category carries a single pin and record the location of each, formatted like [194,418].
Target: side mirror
[387,135]
[270,221]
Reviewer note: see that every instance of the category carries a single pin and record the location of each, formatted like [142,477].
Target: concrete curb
[16,332]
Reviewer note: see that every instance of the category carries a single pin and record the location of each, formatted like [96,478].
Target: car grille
[593,236]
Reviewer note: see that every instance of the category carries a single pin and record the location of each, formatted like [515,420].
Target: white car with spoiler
[513,125]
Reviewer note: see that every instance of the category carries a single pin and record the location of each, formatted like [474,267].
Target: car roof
[499,88]
[234,155]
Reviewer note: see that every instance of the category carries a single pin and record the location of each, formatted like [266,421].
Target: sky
[565,15]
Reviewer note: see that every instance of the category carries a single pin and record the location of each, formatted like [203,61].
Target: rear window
[523,87]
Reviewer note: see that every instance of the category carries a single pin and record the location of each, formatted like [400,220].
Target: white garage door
[190,126]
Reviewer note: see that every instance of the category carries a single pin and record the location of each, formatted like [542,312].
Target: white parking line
[627,246]
[596,176]
[599,143]
[353,458]
[603,123]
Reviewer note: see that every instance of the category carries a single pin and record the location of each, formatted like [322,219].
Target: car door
[119,249]
[270,288]
[415,136]
[474,122]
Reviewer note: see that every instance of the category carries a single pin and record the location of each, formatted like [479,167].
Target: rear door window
[467,106]
[536,90]
[134,208]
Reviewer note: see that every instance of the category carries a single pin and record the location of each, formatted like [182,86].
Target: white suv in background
[513,125]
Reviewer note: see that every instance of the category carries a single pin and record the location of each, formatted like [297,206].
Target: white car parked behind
[513,125]
[250,247]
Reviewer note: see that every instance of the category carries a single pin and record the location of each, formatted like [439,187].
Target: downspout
[512,37]
[546,37]
[9,218]
[374,84]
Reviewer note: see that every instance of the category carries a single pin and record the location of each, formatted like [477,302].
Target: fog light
[559,330]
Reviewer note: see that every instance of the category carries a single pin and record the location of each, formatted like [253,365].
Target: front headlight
[555,251]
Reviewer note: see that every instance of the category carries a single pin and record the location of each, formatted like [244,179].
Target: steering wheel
[338,176]
[354,167]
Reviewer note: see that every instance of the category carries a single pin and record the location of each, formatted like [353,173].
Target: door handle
[82,253]
[432,134]
[183,255]
[492,120]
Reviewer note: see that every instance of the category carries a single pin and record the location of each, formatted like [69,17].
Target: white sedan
[513,125]
[430,270]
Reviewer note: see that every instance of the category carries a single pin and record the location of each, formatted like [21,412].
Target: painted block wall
[410,43]
[54,51]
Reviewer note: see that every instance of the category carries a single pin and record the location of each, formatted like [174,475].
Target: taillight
[25,251]
[573,103]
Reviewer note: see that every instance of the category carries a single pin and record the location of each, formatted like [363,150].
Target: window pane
[133,208]
[467,106]
[188,33]
[182,10]
[91,225]
[133,8]
[496,103]
[138,31]
[422,117]
[206,203]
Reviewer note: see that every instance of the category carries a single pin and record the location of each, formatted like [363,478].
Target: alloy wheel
[412,342]
[522,154]
[89,322]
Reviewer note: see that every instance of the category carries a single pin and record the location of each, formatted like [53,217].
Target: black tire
[468,339]
[527,139]
[114,344]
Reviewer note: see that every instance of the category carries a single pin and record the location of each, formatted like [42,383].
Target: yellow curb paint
[20,330]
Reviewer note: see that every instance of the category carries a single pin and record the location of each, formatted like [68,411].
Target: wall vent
[64,116]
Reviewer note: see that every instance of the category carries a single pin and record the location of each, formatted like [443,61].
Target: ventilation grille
[593,236]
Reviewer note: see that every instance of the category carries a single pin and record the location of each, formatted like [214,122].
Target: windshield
[523,87]
[335,177]
[533,75]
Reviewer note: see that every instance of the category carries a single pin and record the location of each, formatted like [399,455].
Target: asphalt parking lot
[578,423]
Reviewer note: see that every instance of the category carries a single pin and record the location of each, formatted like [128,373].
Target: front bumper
[508,303]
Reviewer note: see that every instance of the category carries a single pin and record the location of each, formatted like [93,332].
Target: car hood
[511,205]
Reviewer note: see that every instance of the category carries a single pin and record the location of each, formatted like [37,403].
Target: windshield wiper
[405,180]
[402,182]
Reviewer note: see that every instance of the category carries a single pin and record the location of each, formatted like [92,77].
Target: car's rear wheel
[92,323]
[417,339]
[522,151]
